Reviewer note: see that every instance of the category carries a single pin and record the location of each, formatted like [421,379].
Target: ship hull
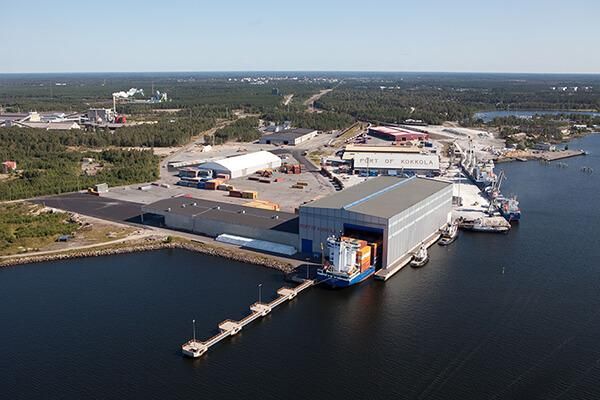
[336,281]
[511,216]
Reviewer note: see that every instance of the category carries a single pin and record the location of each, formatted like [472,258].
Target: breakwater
[156,244]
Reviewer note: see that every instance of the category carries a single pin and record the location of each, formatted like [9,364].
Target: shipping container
[249,194]
[213,184]
[264,204]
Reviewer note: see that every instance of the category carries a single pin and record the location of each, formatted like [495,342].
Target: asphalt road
[94,206]
[297,154]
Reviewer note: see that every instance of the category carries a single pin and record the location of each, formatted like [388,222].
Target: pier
[195,348]
[561,154]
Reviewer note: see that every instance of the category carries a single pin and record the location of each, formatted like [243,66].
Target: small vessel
[449,234]
[420,258]
[350,261]
[490,224]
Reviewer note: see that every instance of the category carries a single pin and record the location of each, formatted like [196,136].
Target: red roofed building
[9,166]
[396,134]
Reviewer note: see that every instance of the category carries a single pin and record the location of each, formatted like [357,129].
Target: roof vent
[194,204]
[169,209]
[275,216]
[183,206]
[217,207]
[242,211]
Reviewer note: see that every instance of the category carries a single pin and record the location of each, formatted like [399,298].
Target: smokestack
[114,104]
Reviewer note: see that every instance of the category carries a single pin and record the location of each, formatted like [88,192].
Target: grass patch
[25,226]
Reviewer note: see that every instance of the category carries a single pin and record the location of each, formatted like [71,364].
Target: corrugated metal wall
[408,229]
[401,233]
[215,228]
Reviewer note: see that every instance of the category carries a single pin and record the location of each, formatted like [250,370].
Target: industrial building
[48,121]
[398,213]
[243,165]
[213,218]
[101,115]
[393,163]
[395,134]
[361,148]
[290,137]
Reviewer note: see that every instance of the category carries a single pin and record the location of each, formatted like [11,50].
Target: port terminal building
[397,213]
[392,163]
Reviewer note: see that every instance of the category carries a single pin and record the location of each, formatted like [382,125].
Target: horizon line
[233,71]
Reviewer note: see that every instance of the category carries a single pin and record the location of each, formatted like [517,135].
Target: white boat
[491,224]
[449,234]
[420,258]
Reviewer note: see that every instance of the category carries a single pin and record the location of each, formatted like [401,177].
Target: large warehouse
[291,137]
[213,218]
[243,165]
[399,213]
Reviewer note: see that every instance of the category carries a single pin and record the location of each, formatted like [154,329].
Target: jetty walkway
[195,348]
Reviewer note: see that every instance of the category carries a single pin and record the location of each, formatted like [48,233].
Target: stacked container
[213,184]
[363,258]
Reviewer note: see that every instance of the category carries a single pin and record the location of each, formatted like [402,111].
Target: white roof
[250,160]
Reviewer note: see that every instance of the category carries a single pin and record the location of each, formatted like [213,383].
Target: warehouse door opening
[306,246]
[371,235]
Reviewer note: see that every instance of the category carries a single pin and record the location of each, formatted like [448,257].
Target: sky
[546,36]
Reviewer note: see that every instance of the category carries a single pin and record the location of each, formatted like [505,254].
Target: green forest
[51,160]
[49,167]
[242,130]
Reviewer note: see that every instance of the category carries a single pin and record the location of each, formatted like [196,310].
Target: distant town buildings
[544,147]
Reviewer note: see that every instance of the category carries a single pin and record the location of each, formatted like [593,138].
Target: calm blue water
[488,116]
[459,328]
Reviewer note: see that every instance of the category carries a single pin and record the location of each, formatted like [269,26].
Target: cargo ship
[350,261]
[509,208]
[480,173]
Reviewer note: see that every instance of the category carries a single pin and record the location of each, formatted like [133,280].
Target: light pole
[259,292]
[194,329]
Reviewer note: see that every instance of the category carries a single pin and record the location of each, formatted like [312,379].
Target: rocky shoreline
[238,255]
